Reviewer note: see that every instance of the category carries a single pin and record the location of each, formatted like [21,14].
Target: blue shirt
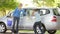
[17,12]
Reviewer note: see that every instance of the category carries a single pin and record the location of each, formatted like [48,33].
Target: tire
[39,28]
[2,28]
[52,31]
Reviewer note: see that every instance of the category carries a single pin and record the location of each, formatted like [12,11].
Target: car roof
[40,8]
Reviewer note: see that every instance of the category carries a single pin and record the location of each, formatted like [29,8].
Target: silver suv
[50,21]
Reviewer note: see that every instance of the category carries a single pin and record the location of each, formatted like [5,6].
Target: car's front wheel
[39,28]
[2,28]
[52,31]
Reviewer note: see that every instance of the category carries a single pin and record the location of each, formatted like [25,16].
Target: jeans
[15,21]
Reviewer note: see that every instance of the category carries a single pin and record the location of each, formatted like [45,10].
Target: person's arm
[14,11]
[24,12]
[33,13]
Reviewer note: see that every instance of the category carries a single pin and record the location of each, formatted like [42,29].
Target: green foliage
[7,4]
[59,5]
[48,3]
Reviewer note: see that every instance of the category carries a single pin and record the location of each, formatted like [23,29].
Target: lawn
[58,32]
[24,31]
[29,31]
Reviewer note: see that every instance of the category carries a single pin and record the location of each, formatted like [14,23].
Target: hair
[20,4]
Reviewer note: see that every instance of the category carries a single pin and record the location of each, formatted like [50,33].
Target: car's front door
[28,20]
[9,20]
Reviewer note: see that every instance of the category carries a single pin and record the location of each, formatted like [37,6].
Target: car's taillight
[54,19]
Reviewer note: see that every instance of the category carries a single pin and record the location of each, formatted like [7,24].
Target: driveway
[19,33]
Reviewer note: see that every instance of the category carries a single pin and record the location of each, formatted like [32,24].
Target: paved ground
[19,33]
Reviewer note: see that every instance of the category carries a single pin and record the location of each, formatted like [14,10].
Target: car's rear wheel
[39,28]
[52,31]
[2,28]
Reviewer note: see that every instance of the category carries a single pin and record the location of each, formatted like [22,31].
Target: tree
[38,3]
[7,5]
[48,3]
[51,3]
[59,5]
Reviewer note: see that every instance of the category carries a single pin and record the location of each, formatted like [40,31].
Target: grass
[29,31]
[58,32]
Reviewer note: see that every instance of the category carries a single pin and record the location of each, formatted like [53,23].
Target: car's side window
[29,12]
[41,13]
[55,11]
[44,11]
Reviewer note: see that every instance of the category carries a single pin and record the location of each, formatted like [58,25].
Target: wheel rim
[39,30]
[2,27]
[52,31]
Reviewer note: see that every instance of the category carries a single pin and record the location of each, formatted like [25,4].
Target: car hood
[2,17]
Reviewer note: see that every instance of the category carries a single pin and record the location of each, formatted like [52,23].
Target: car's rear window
[55,11]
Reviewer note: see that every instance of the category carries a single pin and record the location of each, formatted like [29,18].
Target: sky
[27,3]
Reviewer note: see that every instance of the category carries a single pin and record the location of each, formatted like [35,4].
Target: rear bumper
[51,26]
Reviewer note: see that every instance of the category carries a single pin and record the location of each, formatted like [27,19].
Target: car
[50,21]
